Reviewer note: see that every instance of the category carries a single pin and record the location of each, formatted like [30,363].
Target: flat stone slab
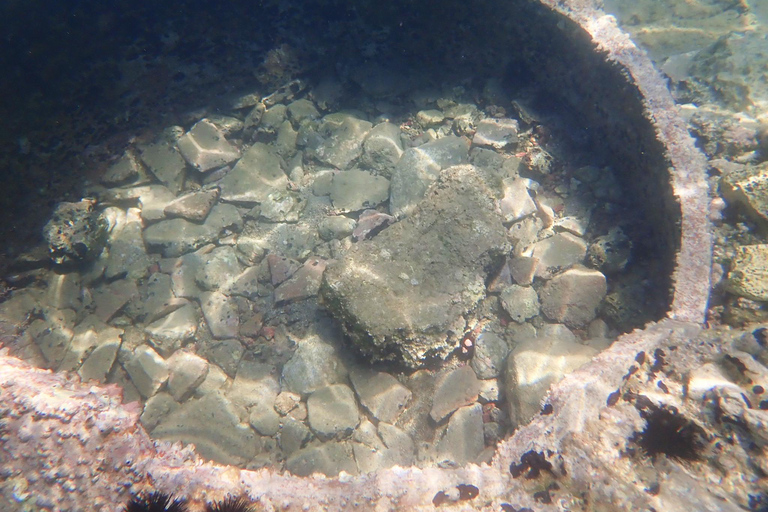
[329,458]
[401,295]
[557,253]
[168,333]
[455,388]
[572,297]
[343,139]
[463,439]
[380,393]
[205,147]
[127,254]
[256,175]
[516,202]
[88,335]
[748,189]
[220,314]
[314,365]
[333,411]
[496,133]
[148,370]
[355,190]
[520,302]
[111,298]
[213,425]
[187,371]
[174,237]
[382,148]
[304,283]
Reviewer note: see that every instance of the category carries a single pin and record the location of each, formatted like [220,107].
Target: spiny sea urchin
[231,504]
[156,502]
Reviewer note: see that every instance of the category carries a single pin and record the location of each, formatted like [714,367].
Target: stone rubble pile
[203,277]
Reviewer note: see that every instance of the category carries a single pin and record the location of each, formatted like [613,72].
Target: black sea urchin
[231,504]
[156,502]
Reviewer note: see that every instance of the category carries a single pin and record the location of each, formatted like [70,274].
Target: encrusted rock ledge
[67,446]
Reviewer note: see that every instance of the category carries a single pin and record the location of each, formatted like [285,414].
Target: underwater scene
[466,255]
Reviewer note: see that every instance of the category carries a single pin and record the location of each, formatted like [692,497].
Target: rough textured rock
[314,365]
[168,333]
[329,458]
[257,174]
[304,283]
[355,190]
[520,302]
[749,275]
[390,294]
[490,353]
[187,371]
[557,253]
[194,206]
[496,133]
[162,159]
[343,139]
[75,233]
[463,439]
[127,254]
[174,237]
[382,148]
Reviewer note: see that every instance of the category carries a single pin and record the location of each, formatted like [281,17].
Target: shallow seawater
[346,268]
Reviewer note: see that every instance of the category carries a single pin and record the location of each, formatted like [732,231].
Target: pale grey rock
[98,364]
[255,383]
[572,297]
[490,353]
[302,110]
[220,314]
[419,168]
[205,147]
[400,447]
[296,241]
[355,190]
[314,365]
[392,295]
[574,225]
[380,393]
[335,227]
[126,169]
[282,206]
[747,277]
[183,271]
[187,371]
[155,408]
[490,390]
[157,298]
[152,199]
[212,423]
[286,402]
[272,118]
[533,367]
[516,202]
[520,302]
[194,206]
[110,298]
[264,419]
[321,181]
[523,269]
[557,253]
[429,118]
[285,144]
[382,148]
[293,435]
[87,336]
[214,381]
[64,291]
[523,233]
[463,440]
[246,284]
[281,268]
[174,237]
[329,458]
[343,139]
[610,253]
[333,411]
[168,334]
[227,125]
[304,283]
[218,268]
[225,353]
[127,254]
[256,175]
[455,388]
[148,370]
[559,331]
[496,133]
[167,165]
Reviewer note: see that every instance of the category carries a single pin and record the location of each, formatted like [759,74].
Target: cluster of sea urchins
[161,502]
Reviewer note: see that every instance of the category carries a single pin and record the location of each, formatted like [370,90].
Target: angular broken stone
[148,370]
[293,435]
[127,254]
[168,333]
[162,159]
[111,298]
[749,272]
[380,393]
[225,353]
[302,284]
[748,190]
[523,269]
[264,419]
[490,353]
[53,333]
[194,206]
[455,388]
[463,439]
[343,139]
[329,458]
[520,302]
[213,425]
[533,367]
[382,148]
[370,222]
[155,408]
[255,383]
[355,189]
[402,294]
[220,314]
[496,133]
[557,253]
[98,364]
[333,411]
[157,298]
[419,168]
[314,365]
[572,297]
[187,371]
[336,227]
[87,336]
[205,147]
[174,237]
[281,268]
[516,202]
[125,170]
[256,175]
[218,268]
